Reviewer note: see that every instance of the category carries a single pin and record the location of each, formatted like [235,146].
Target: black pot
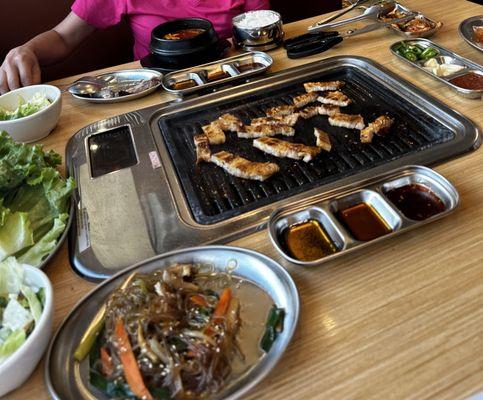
[184,53]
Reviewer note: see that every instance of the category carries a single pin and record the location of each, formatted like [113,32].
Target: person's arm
[21,66]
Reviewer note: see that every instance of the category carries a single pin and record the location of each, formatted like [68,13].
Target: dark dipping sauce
[184,84]
[416,202]
[307,241]
[363,222]
[470,81]
[249,67]
[183,34]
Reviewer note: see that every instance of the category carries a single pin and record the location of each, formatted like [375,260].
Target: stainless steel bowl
[262,38]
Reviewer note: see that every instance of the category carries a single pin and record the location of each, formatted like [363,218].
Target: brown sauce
[183,34]
[470,81]
[184,84]
[416,202]
[217,75]
[249,67]
[308,241]
[364,222]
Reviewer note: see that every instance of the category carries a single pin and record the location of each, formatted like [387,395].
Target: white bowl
[19,365]
[35,126]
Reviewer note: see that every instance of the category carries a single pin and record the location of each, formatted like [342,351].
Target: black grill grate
[214,195]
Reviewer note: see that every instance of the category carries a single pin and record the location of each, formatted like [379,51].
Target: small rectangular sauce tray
[445,57]
[220,72]
[398,201]
[416,34]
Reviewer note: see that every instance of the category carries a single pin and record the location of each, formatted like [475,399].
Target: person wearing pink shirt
[22,64]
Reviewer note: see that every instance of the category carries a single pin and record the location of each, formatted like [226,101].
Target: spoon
[374,11]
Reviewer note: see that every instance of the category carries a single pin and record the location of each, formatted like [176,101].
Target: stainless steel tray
[231,66]
[124,76]
[371,191]
[468,66]
[465,29]
[66,379]
[435,25]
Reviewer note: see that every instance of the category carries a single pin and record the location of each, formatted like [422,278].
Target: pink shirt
[144,15]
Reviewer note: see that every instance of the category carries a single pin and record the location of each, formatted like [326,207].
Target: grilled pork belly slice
[328,109]
[203,152]
[323,139]
[322,86]
[280,110]
[336,98]
[282,148]
[253,132]
[243,168]
[289,120]
[347,121]
[304,99]
[379,127]
[228,122]
[214,133]
[308,112]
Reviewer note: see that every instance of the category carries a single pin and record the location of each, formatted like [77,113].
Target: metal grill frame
[465,137]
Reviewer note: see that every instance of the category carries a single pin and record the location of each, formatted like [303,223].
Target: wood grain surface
[402,319]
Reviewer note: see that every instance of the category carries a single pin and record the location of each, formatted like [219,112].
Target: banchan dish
[468,66]
[382,195]
[216,73]
[419,26]
[67,379]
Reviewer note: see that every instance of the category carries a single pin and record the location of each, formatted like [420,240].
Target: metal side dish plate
[67,379]
[402,200]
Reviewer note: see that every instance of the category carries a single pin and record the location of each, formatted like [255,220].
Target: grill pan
[163,201]
[213,195]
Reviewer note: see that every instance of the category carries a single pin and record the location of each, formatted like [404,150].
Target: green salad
[25,108]
[20,307]
[34,201]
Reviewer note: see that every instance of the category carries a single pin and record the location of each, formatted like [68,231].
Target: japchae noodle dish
[170,333]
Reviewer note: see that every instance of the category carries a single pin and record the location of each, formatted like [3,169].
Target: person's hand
[20,68]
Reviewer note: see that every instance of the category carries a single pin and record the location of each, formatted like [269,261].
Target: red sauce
[416,201]
[249,66]
[364,222]
[469,81]
[183,34]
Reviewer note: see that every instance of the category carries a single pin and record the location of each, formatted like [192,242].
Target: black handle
[308,38]
[311,48]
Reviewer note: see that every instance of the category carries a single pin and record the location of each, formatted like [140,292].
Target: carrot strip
[222,306]
[199,300]
[107,367]
[131,370]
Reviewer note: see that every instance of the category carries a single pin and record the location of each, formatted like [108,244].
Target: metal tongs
[315,27]
[314,43]
[373,12]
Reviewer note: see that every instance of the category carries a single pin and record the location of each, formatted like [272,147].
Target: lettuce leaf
[21,162]
[34,303]
[11,277]
[15,233]
[45,245]
[25,108]
[13,342]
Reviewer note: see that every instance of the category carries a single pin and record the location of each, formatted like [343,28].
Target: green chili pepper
[409,55]
[428,53]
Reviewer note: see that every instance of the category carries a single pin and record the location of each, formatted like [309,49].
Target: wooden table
[401,319]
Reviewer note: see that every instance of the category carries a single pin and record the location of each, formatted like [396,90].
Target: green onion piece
[273,327]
